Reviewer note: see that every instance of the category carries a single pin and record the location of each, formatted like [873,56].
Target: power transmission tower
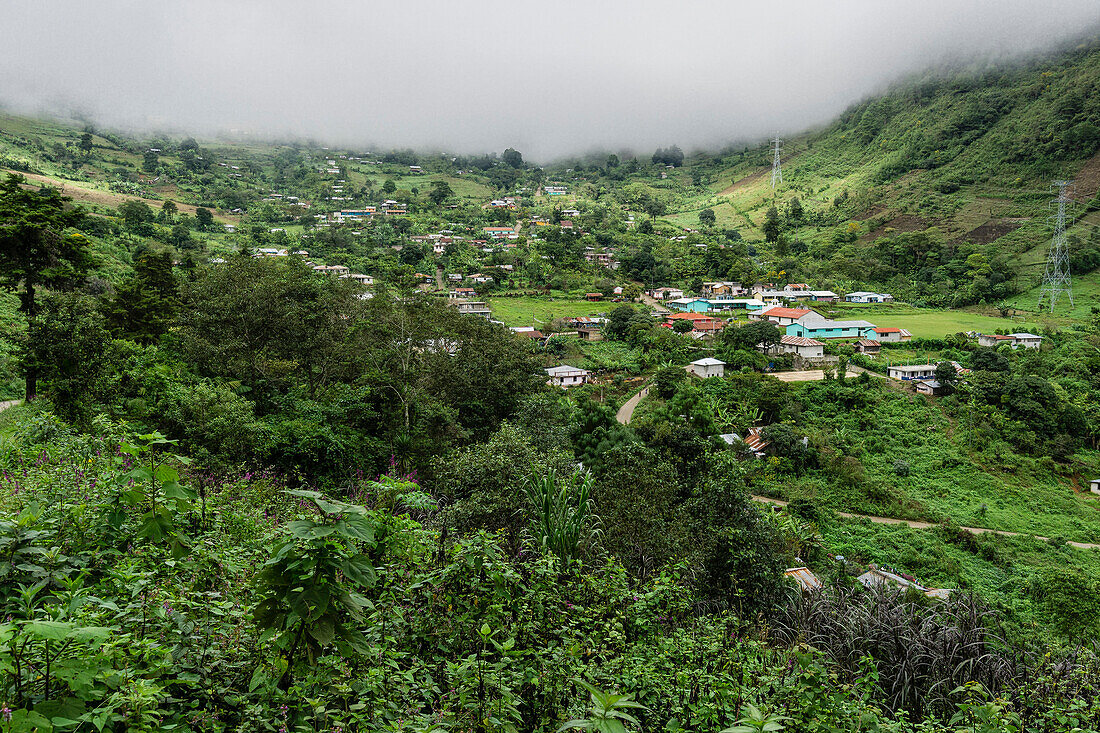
[777,165]
[1056,279]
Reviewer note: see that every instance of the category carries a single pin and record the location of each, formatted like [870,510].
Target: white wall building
[708,367]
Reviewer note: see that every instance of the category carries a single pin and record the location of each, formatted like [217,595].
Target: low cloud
[549,79]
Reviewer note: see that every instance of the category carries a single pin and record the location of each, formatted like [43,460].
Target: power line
[1056,279]
[777,165]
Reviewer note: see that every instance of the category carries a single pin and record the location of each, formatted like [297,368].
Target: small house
[867,347]
[566,376]
[1094,486]
[892,335]
[994,340]
[475,308]
[754,441]
[910,372]
[1026,341]
[863,296]
[708,367]
[593,297]
[805,347]
[931,387]
[590,333]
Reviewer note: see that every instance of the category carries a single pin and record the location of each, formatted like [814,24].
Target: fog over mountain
[547,78]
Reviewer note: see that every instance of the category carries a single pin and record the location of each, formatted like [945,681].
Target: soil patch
[1088,179]
[77,192]
[992,230]
[873,211]
[903,223]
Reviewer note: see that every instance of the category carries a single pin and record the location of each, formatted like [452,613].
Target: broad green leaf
[50,630]
[322,630]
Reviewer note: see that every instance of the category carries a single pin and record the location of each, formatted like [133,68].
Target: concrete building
[708,367]
[910,372]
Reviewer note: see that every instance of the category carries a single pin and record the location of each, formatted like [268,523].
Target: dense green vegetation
[252,497]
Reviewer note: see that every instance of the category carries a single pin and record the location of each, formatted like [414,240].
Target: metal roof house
[708,367]
[823,328]
[565,376]
[906,372]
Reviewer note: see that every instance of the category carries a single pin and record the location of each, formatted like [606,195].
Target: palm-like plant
[608,712]
[755,720]
[563,520]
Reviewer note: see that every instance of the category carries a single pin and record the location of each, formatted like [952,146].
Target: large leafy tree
[35,250]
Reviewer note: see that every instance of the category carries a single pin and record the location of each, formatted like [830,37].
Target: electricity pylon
[1056,279]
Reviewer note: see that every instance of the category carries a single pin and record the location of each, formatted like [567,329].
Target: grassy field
[538,311]
[933,323]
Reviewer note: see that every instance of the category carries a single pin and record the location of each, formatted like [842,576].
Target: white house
[1094,485]
[1015,340]
[911,371]
[862,296]
[1026,341]
[892,335]
[708,367]
[566,376]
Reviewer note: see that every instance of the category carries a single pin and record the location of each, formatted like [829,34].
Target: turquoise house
[691,305]
[826,329]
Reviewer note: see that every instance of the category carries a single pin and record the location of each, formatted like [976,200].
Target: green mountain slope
[903,188]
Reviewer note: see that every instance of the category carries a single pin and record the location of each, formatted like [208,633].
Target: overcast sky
[549,78]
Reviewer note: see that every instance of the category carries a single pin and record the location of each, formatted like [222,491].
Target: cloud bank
[548,78]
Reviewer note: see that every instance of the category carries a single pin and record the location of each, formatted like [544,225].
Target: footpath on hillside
[626,412]
[916,524]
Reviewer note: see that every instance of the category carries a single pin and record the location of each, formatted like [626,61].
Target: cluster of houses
[728,295]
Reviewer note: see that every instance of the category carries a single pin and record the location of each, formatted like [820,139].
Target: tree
[389,186]
[137,216]
[795,212]
[946,375]
[66,349]
[149,162]
[144,305]
[750,336]
[682,326]
[512,158]
[204,218]
[169,210]
[35,251]
[612,161]
[771,225]
[707,217]
[86,142]
[441,191]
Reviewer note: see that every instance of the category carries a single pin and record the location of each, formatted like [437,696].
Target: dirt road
[810,375]
[915,524]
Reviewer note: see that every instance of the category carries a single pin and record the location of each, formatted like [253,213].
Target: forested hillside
[299,438]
